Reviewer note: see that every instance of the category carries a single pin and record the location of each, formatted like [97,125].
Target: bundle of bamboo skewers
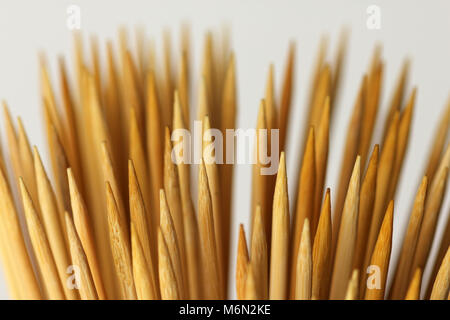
[117,219]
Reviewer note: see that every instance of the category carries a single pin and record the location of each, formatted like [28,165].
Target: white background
[261,31]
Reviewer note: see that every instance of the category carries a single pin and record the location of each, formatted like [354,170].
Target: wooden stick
[321,160]
[439,138]
[286,95]
[397,96]
[304,265]
[347,237]
[322,252]
[120,247]
[381,256]
[366,203]
[259,256]
[413,292]
[305,204]
[350,153]
[85,233]
[189,217]
[84,281]
[44,257]
[139,219]
[172,192]
[241,264]
[403,270]
[279,256]
[212,170]
[404,128]
[211,278]
[353,286]
[52,220]
[442,281]
[384,175]
[171,240]
[144,279]
[228,121]
[29,287]
[168,283]
[251,293]
[154,145]
[432,209]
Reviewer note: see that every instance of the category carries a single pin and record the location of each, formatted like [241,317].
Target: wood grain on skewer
[168,230]
[110,175]
[372,92]
[321,160]
[305,198]
[241,264]
[70,127]
[144,279]
[347,236]
[84,230]
[439,139]
[168,81]
[251,292]
[13,143]
[322,247]
[445,243]
[27,171]
[209,253]
[59,165]
[259,256]
[286,95]
[139,158]
[353,286]
[413,292]
[228,121]
[212,170]
[44,257]
[366,203]
[304,265]
[260,181]
[279,256]
[139,219]
[350,152]
[183,86]
[404,128]
[52,221]
[189,217]
[155,144]
[120,247]
[384,176]
[168,283]
[173,196]
[442,282]
[10,222]
[338,66]
[403,271]
[381,256]
[398,94]
[6,253]
[433,204]
[85,284]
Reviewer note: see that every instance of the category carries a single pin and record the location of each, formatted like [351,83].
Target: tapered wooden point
[413,292]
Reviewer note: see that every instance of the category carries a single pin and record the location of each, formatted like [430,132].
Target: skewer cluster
[117,219]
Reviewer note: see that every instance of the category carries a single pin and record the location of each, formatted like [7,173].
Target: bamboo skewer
[241,264]
[347,236]
[413,292]
[279,256]
[304,265]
